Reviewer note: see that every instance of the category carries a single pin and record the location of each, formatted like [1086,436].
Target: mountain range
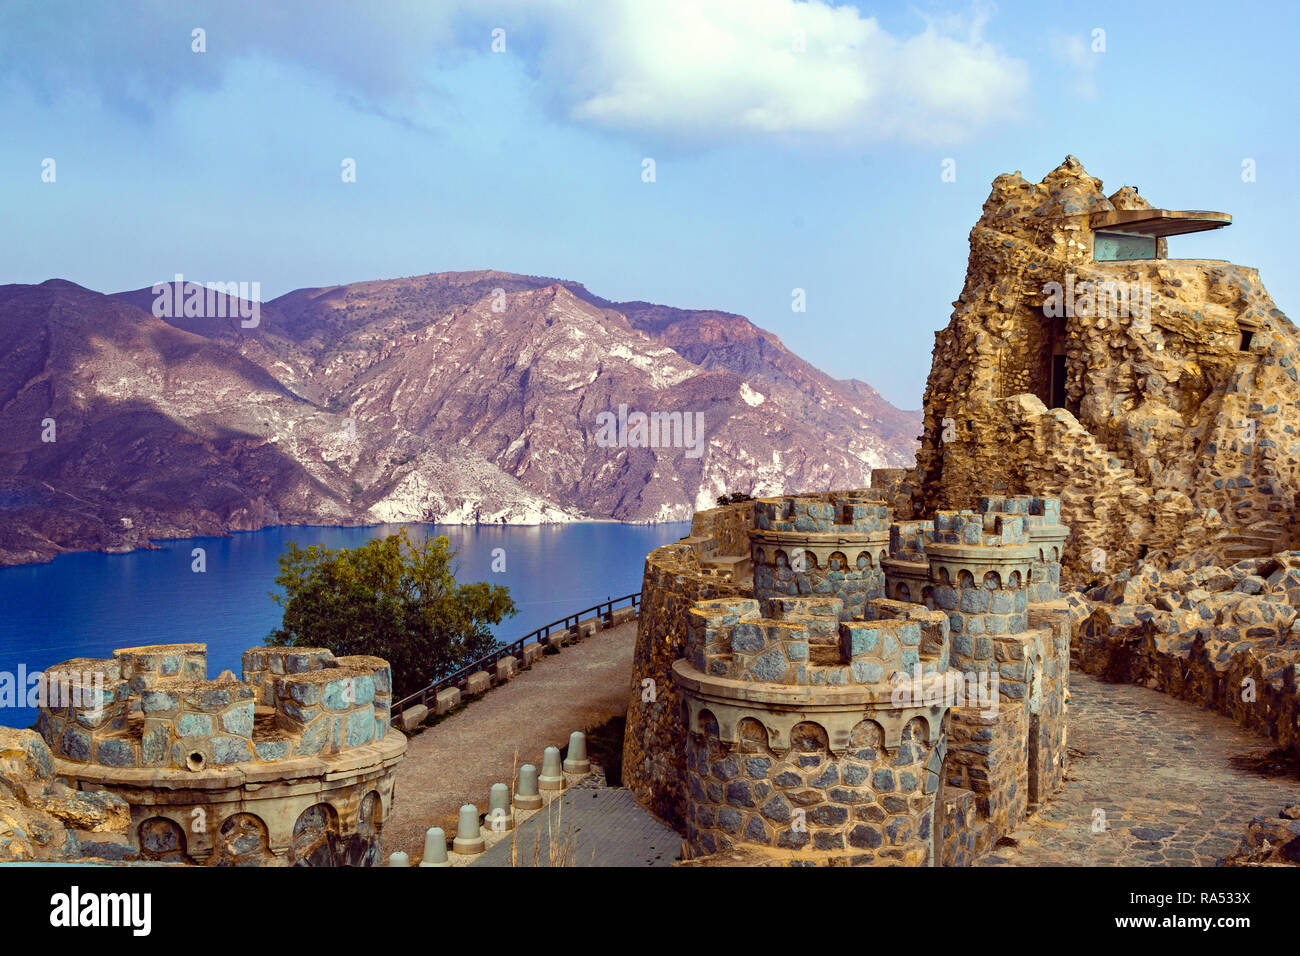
[455,397]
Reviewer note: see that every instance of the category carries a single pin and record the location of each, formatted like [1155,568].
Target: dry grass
[559,853]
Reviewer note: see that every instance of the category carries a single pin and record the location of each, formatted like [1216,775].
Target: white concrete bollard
[435,848]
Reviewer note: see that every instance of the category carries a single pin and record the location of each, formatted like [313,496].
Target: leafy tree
[391,598]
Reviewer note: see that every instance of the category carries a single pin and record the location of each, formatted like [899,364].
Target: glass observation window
[1116,246]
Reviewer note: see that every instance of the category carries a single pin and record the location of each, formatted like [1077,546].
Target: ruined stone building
[862,691]
[1097,414]
[1156,397]
[292,765]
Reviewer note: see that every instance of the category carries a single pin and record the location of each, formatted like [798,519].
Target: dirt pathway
[458,760]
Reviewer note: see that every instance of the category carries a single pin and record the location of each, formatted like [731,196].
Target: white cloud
[707,70]
[699,71]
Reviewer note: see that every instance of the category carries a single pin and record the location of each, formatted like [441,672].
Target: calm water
[87,605]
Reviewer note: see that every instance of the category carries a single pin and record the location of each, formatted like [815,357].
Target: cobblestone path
[459,759]
[1168,776]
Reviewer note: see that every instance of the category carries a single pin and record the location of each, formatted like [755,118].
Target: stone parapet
[292,764]
[792,766]
[812,713]
[825,544]
[654,739]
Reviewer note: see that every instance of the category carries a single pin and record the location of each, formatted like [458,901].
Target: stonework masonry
[1224,638]
[805,711]
[1098,417]
[699,567]
[1169,430]
[292,765]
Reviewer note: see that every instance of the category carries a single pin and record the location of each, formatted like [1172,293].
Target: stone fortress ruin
[860,690]
[292,765]
[1099,418]
[1156,397]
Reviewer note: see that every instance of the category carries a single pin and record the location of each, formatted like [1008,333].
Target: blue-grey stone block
[769,667]
[777,809]
[313,739]
[360,728]
[865,837]
[828,777]
[739,793]
[155,744]
[730,819]
[272,749]
[75,744]
[867,672]
[854,774]
[1014,670]
[227,750]
[157,701]
[238,720]
[115,753]
[194,725]
[747,636]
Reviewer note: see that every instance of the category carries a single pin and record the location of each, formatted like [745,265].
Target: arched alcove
[316,837]
[162,840]
[243,840]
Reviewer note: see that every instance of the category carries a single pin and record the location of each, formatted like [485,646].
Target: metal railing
[565,627]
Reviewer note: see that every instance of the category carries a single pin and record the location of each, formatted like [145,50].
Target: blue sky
[796,145]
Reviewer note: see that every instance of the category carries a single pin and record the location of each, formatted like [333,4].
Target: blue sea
[89,604]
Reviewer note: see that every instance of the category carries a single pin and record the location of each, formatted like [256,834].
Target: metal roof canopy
[1159,222]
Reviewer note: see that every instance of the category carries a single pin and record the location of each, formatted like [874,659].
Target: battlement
[1038,511]
[154,707]
[988,530]
[820,544]
[804,642]
[803,691]
[802,708]
[908,539]
[833,512]
[291,766]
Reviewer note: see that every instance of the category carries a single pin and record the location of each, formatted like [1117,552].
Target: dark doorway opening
[1058,381]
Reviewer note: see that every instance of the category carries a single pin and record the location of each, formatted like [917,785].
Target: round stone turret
[293,764]
[828,544]
[799,734]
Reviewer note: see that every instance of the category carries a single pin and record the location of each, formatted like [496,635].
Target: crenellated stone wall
[811,713]
[675,579]
[827,544]
[794,739]
[292,765]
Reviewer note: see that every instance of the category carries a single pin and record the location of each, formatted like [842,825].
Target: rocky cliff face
[1165,430]
[41,818]
[460,398]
